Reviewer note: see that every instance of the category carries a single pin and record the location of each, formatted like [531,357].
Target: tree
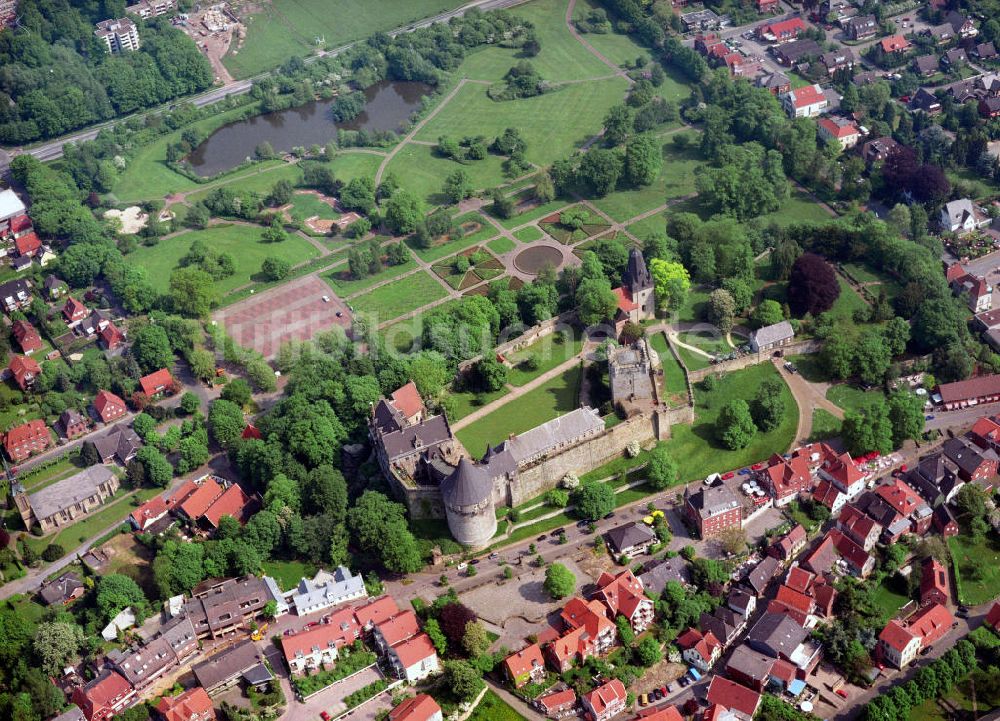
[462,679]
[671,282]
[867,429]
[193,452]
[274,268]
[379,526]
[768,312]
[600,170]
[158,470]
[237,391]
[475,641]
[402,212]
[734,427]
[662,469]
[643,160]
[115,593]
[454,618]
[88,454]
[192,292]
[906,416]
[457,186]
[559,581]
[55,644]
[617,124]
[226,422]
[732,540]
[897,335]
[721,310]
[151,348]
[768,406]
[812,285]
[190,403]
[593,500]
[648,652]
[595,301]
[872,358]
[971,500]
[491,374]
[433,629]
[783,258]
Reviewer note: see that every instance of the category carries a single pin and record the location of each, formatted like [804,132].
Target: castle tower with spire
[468,504]
[638,284]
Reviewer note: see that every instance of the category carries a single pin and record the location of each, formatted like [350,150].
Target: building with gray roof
[776,635]
[771,336]
[468,503]
[630,539]
[225,669]
[120,444]
[326,590]
[657,574]
[64,501]
[630,371]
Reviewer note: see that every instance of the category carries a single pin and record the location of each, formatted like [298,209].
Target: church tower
[639,283]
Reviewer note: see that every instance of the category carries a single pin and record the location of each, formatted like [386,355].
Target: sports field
[243,242]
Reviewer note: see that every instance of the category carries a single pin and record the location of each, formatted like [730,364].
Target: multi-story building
[606,701]
[320,644]
[805,102]
[417,708]
[105,696]
[326,590]
[146,9]
[525,666]
[713,509]
[623,596]
[413,659]
[119,36]
[108,406]
[25,440]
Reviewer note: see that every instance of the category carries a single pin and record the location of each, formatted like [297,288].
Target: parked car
[727,476]
[929,417]
[841,692]
[610,515]
[542,537]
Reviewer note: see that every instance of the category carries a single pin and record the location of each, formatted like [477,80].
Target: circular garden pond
[532,260]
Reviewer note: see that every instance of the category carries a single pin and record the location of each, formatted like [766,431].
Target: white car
[326,299]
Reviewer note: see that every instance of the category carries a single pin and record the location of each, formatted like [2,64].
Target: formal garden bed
[469,268]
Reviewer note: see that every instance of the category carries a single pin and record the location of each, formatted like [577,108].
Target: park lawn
[493,708]
[798,208]
[675,86]
[549,351]
[693,361]
[479,234]
[888,599]
[707,341]
[676,180]
[674,377]
[465,402]
[825,425]
[862,273]
[695,308]
[648,227]
[529,234]
[536,213]
[981,188]
[694,446]
[284,28]
[345,286]
[810,367]
[89,526]
[288,573]
[401,336]
[240,241]
[257,179]
[973,591]
[400,297]
[307,205]
[501,245]
[423,172]
[957,703]
[553,398]
[851,398]
[847,302]
[554,124]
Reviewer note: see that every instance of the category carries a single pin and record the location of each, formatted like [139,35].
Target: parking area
[295,311]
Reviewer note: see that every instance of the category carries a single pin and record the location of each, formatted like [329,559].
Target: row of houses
[202,501]
[18,240]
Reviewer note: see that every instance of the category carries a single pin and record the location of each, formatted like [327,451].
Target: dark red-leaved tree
[812,285]
[454,617]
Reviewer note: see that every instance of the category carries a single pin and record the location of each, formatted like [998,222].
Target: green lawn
[423,172]
[307,205]
[695,448]
[549,352]
[479,229]
[888,598]
[799,208]
[65,467]
[284,28]
[825,425]
[980,187]
[978,564]
[693,361]
[957,703]
[674,378]
[400,297]
[708,342]
[465,402]
[536,213]
[675,181]
[695,306]
[400,336]
[288,573]
[810,367]
[647,227]
[345,285]
[258,179]
[529,234]
[553,125]
[493,708]
[851,398]
[847,302]
[242,242]
[551,399]
[501,245]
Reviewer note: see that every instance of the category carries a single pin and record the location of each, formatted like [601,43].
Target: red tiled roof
[851,551]
[993,617]
[233,502]
[184,492]
[604,696]
[26,336]
[557,699]
[662,713]
[969,389]
[930,623]
[101,693]
[376,611]
[788,474]
[841,468]
[794,599]
[825,595]
[838,130]
[934,577]
[399,628]
[689,639]
[783,670]
[340,630]
[407,400]
[74,309]
[520,663]
[799,579]
[894,43]
[625,304]
[807,95]
[193,703]
[108,405]
[149,511]
[622,593]
[27,243]
[111,336]
[195,505]
[156,382]
[733,695]
[578,613]
[415,708]
[987,428]
[859,524]
[826,493]
[414,650]
[569,644]
[954,272]
[21,366]
[26,432]
[900,496]
[779,29]
[895,636]
[19,223]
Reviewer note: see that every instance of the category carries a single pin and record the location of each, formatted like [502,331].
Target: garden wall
[529,336]
[752,359]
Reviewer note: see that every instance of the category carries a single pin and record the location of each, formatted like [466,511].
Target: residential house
[94,323]
[146,515]
[861,27]
[26,336]
[313,647]
[144,665]
[894,44]
[120,444]
[925,65]
[962,25]
[25,440]
[765,7]
[774,83]
[557,704]
[783,31]
[840,470]
[55,287]
[27,245]
[525,666]
[901,641]
[944,521]
[742,602]
[74,311]
[841,59]
[375,611]
[588,632]
[777,635]
[104,697]
[12,210]
[830,496]
[860,80]
[788,546]
[111,337]
[941,34]
[72,424]
[605,701]
[786,478]
[698,649]
[233,502]
[898,645]
[623,596]
[24,371]
[15,294]
[955,58]
[792,603]
[401,627]
[733,696]
[962,394]
[821,559]
[859,527]
[963,216]
[797,52]
[936,478]
[181,637]
[417,708]
[713,509]
[985,51]
[934,584]
[723,623]
[243,661]
[926,101]
[206,491]
[146,9]
[973,462]
[118,35]
[108,406]
[858,561]
[63,590]
[630,539]
[220,607]
[657,574]
[61,503]
[908,504]
[157,383]
[760,575]
[191,705]
[414,659]
[326,589]
[990,107]
[772,336]
[748,667]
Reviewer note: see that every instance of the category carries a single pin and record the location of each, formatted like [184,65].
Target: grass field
[847,302]
[978,564]
[258,179]
[553,125]
[549,351]
[799,208]
[695,307]
[544,403]
[307,205]
[850,398]
[963,701]
[241,241]
[674,378]
[493,708]
[708,342]
[399,297]
[479,235]
[501,245]
[423,172]
[695,448]
[63,468]
[284,28]
[529,234]
[288,573]
[467,401]
[825,425]
[692,361]
[345,286]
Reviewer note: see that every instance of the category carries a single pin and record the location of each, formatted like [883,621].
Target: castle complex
[436,477]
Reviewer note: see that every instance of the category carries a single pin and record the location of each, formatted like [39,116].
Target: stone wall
[529,336]
[752,359]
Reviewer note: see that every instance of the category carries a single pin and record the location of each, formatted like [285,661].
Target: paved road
[53,149]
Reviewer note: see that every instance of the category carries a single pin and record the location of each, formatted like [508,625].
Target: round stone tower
[468,504]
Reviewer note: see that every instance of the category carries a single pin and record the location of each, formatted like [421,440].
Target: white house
[962,216]
[805,102]
[839,130]
[414,659]
[327,589]
[898,645]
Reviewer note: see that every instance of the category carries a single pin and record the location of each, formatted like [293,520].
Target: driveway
[808,397]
